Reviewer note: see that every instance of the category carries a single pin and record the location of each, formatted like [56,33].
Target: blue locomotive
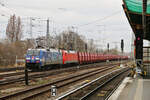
[40,58]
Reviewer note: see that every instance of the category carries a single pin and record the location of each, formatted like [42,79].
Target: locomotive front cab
[34,59]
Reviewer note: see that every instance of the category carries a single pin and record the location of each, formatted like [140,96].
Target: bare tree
[18,30]
[70,40]
[10,30]
[14,29]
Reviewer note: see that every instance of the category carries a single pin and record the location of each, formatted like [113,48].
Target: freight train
[42,58]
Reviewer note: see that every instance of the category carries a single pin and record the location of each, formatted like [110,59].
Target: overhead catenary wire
[95,21]
[5,13]
[8,8]
[101,19]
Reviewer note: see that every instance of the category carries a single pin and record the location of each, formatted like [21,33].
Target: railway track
[98,89]
[40,89]
[19,76]
[9,72]
[11,69]
[6,72]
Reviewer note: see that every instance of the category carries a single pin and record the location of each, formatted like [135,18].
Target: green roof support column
[144,17]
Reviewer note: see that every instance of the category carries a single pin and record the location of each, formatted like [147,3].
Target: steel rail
[85,85]
[45,74]
[81,76]
[87,95]
[11,69]
[48,84]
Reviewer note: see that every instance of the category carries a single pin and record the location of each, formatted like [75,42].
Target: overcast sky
[101,20]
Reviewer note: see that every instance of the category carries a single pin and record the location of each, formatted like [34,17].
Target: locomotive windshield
[33,52]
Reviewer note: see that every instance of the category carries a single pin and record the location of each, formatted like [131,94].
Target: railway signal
[139,49]
[122,45]
[86,47]
[108,47]
[53,90]
[26,76]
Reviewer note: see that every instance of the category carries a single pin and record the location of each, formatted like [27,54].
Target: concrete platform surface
[133,89]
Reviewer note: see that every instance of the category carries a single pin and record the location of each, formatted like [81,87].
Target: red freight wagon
[89,58]
[69,57]
[105,57]
[85,57]
[102,57]
[111,57]
[95,57]
[108,57]
[80,58]
[98,57]
[92,58]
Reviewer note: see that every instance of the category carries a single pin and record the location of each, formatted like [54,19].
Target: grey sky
[77,13]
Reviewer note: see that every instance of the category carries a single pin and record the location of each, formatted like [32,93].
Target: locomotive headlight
[42,60]
[37,58]
[28,58]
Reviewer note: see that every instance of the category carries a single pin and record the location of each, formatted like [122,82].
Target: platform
[133,89]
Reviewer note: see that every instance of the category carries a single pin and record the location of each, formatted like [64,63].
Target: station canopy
[133,10]
[136,6]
